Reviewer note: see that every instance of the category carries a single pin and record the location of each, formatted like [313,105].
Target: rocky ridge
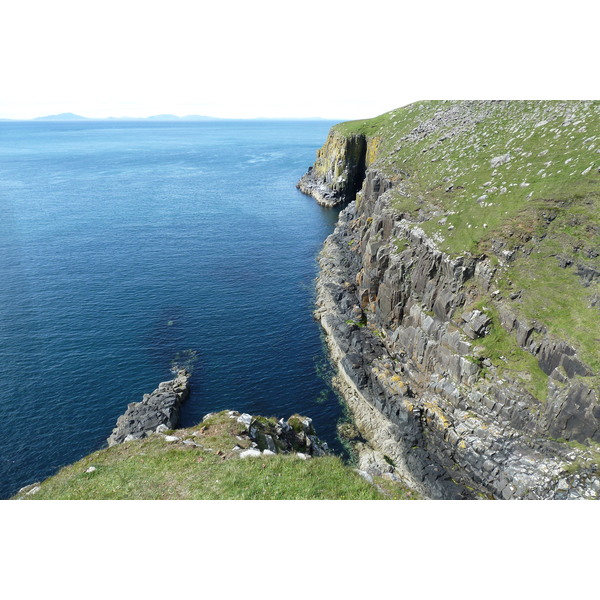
[157,411]
[414,331]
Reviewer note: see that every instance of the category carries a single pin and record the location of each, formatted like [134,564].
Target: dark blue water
[127,246]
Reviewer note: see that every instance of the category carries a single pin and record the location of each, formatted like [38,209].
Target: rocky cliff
[460,293]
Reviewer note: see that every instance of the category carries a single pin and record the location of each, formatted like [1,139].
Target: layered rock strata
[159,410]
[406,349]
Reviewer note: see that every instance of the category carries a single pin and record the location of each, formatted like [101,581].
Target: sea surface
[130,248]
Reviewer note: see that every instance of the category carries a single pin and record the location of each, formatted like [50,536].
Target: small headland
[227,456]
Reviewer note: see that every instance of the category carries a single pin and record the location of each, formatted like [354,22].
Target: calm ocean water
[125,246]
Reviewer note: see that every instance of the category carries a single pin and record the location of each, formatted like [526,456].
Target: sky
[328,58]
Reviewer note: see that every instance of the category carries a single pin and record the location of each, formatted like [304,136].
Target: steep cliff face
[460,297]
[339,169]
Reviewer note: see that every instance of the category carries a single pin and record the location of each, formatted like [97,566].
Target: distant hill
[169,117]
[164,117]
[187,118]
[61,117]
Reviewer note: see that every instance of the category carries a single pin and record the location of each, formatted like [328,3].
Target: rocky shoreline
[159,412]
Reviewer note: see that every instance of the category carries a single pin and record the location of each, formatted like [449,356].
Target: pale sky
[241,59]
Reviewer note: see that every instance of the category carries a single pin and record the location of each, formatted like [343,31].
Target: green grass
[363,127]
[153,469]
[502,350]
[556,296]
[461,160]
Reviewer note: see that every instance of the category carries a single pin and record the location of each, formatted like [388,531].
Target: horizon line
[69,116]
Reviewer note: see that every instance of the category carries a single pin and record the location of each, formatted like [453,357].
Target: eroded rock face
[406,351]
[338,171]
[158,410]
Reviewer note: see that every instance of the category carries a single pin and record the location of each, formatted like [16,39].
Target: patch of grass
[361,323]
[394,490]
[503,351]
[555,295]
[363,126]
[406,205]
[400,244]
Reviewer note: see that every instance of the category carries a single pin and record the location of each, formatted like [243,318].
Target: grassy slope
[543,201]
[156,469]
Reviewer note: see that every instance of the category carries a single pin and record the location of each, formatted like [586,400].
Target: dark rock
[551,353]
[588,274]
[297,434]
[476,324]
[160,408]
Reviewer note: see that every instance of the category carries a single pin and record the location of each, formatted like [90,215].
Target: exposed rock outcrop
[158,410]
[271,436]
[406,339]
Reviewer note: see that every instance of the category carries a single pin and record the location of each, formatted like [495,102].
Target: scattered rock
[500,160]
[250,453]
[245,418]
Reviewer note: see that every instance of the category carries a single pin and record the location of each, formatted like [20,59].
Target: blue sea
[128,248]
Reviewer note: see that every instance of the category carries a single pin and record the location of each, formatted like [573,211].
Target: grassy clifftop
[517,181]
[200,463]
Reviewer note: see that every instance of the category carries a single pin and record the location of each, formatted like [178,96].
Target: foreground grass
[155,469]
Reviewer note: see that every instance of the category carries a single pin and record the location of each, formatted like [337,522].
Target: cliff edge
[460,293]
